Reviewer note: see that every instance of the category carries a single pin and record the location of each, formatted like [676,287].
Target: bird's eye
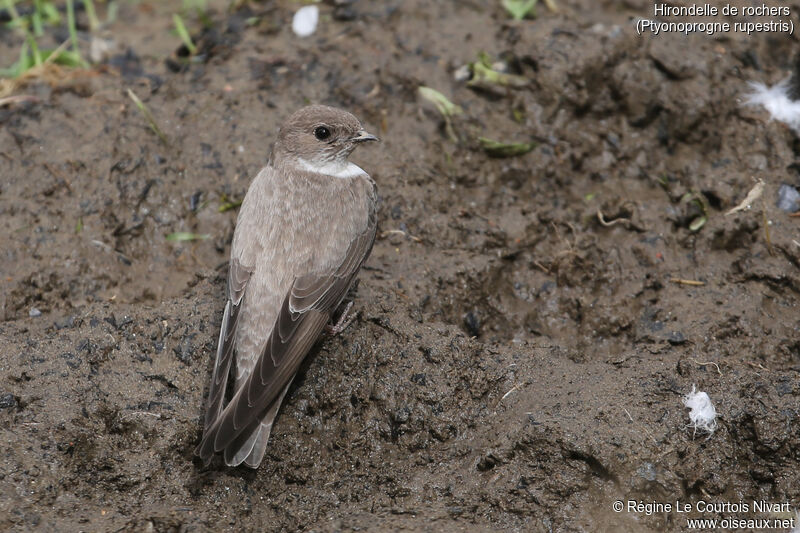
[322,133]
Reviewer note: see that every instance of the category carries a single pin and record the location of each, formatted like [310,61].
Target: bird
[304,229]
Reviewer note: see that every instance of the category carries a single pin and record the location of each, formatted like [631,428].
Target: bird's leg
[343,321]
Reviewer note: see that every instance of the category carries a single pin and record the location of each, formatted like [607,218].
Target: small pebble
[100,49]
[33,313]
[7,400]
[472,324]
[647,471]
[462,73]
[345,13]
[788,199]
[676,337]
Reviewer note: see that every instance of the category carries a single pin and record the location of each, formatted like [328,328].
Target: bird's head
[320,135]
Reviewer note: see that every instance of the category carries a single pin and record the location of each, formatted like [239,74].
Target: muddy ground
[517,363]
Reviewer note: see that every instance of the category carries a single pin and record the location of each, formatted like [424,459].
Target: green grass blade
[149,116]
[94,22]
[500,149]
[183,33]
[698,223]
[227,206]
[50,14]
[483,76]
[16,20]
[36,18]
[63,57]
[445,106]
[519,9]
[22,64]
[183,236]
[111,12]
[36,55]
[73,32]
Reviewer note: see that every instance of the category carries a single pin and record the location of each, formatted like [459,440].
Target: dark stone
[345,13]
[472,323]
[186,348]
[7,401]
[72,360]
[676,337]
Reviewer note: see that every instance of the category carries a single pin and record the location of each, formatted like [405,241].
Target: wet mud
[525,333]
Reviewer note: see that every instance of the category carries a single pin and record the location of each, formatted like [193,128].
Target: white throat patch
[336,169]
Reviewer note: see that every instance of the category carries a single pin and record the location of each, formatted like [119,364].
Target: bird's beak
[363,136]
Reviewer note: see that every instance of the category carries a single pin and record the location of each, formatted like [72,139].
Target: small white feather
[776,100]
[703,415]
[304,22]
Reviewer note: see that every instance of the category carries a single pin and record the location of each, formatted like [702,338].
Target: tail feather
[251,445]
[240,448]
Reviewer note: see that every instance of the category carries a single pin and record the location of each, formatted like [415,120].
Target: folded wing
[308,306]
[238,277]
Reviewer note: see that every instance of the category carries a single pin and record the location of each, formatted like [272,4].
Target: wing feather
[307,307]
[237,282]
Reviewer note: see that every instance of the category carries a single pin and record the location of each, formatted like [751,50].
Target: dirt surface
[520,360]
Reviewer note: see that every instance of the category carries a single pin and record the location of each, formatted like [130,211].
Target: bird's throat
[337,168]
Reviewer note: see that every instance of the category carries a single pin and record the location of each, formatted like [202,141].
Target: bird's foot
[343,322]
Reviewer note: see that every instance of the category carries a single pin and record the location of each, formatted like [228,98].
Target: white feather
[337,169]
[703,415]
[304,22]
[776,100]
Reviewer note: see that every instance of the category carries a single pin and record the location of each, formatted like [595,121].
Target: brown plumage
[305,227]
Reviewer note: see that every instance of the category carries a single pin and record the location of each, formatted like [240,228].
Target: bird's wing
[306,309]
[238,276]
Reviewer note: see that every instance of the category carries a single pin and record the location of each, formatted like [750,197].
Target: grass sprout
[501,149]
[228,204]
[701,203]
[519,9]
[91,14]
[35,62]
[151,121]
[183,33]
[484,74]
[445,107]
[485,77]
[25,70]
[184,236]
[73,31]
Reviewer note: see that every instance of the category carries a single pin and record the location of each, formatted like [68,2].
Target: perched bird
[305,227]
